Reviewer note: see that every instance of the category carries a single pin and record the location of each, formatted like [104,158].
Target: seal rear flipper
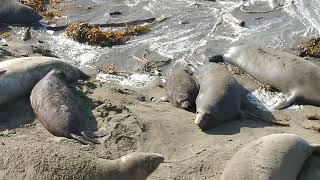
[89,137]
[81,139]
[272,122]
[287,103]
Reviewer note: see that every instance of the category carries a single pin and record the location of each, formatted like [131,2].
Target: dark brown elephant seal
[272,157]
[290,74]
[219,97]
[182,89]
[13,12]
[56,108]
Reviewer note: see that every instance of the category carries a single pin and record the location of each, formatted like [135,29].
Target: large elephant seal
[286,72]
[47,160]
[13,12]
[272,157]
[219,97]
[181,89]
[18,76]
[56,108]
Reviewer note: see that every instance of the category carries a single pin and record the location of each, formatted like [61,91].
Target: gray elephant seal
[56,108]
[181,89]
[20,75]
[272,157]
[13,12]
[219,97]
[288,73]
[45,160]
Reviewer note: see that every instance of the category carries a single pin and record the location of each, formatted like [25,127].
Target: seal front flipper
[89,137]
[81,139]
[96,134]
[287,103]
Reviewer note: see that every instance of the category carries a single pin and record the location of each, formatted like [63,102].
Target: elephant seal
[219,97]
[56,108]
[181,89]
[288,73]
[13,12]
[20,75]
[272,157]
[47,160]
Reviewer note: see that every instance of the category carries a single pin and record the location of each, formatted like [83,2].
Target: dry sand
[133,124]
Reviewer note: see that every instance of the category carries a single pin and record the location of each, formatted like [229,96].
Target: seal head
[139,165]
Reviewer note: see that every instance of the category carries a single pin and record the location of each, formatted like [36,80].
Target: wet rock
[27,34]
[116,13]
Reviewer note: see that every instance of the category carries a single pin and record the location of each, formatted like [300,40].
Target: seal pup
[288,73]
[219,95]
[18,76]
[181,89]
[56,108]
[272,157]
[13,12]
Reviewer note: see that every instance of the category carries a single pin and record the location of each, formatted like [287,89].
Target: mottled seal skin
[182,89]
[56,108]
[18,76]
[272,157]
[288,73]
[219,97]
[13,12]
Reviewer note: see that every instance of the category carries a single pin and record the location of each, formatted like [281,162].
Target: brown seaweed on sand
[310,47]
[41,7]
[94,35]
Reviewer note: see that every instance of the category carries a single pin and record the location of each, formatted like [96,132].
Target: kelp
[5,35]
[310,47]
[41,7]
[94,35]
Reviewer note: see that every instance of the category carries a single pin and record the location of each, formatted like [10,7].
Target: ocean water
[193,27]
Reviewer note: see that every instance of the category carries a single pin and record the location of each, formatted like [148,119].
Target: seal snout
[157,160]
[201,121]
